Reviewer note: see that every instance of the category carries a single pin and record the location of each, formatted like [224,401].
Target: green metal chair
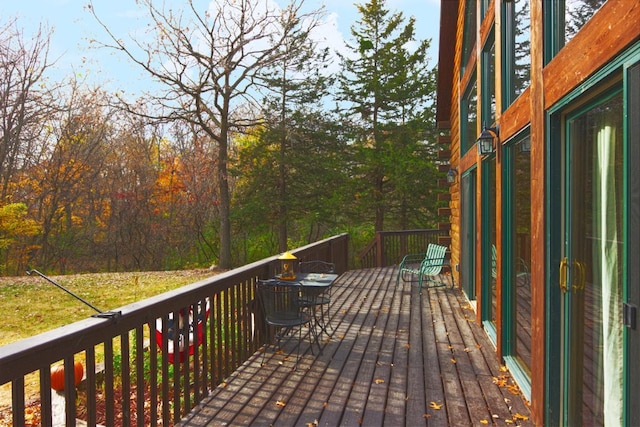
[425,267]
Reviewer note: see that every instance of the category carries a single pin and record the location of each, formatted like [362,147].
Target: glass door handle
[580,276]
[563,272]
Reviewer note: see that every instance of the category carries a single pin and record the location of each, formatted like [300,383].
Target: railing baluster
[90,385]
[45,396]
[140,387]
[69,390]
[125,372]
[153,375]
[108,382]
[17,401]
[176,366]
[165,371]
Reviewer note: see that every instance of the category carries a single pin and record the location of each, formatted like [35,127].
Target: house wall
[609,32]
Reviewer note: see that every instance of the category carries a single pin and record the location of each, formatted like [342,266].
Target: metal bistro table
[314,288]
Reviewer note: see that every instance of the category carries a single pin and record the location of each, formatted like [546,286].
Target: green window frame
[516,48]
[488,242]
[515,266]
[553,228]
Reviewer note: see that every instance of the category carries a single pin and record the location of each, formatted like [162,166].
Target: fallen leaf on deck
[407,345]
[313,423]
[379,381]
[426,415]
[500,381]
[454,361]
[513,389]
[485,422]
[281,404]
[435,405]
[467,349]
[521,417]
[503,369]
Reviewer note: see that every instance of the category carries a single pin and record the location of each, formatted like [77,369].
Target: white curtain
[607,262]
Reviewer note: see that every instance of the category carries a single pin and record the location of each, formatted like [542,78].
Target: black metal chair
[282,310]
[312,299]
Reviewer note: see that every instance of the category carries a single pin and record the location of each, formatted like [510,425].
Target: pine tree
[389,90]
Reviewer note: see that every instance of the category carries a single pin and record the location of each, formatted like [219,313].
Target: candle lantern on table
[288,266]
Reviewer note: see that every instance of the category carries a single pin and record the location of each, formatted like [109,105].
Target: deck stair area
[395,358]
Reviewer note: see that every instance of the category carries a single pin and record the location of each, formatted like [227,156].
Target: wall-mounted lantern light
[451,175]
[485,140]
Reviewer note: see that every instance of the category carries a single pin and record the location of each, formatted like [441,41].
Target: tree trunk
[225,200]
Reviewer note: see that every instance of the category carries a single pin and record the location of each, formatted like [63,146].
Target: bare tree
[25,100]
[209,66]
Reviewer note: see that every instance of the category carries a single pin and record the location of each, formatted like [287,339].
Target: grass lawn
[30,305]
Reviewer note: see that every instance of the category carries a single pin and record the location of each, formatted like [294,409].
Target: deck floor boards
[394,358]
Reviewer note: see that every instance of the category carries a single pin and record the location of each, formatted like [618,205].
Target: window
[470,16]
[489,249]
[469,117]
[517,50]
[489,82]
[564,18]
[516,229]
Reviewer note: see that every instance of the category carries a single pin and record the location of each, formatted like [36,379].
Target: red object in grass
[57,375]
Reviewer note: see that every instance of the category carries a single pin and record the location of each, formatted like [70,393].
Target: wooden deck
[396,358]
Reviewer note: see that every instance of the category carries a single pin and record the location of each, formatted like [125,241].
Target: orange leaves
[501,381]
[281,403]
[435,405]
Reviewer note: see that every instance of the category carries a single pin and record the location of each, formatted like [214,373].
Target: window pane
[469,117]
[492,199]
[517,55]
[577,13]
[521,252]
[470,16]
[597,247]
[489,83]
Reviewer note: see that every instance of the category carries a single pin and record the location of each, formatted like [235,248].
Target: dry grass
[30,305]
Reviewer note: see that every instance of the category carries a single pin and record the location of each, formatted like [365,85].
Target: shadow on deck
[395,358]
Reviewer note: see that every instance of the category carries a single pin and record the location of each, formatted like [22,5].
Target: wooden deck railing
[389,247]
[138,383]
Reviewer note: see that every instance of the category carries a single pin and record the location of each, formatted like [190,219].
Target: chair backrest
[435,253]
[280,301]
[433,259]
[316,267]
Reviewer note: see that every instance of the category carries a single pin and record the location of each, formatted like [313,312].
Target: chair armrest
[411,259]
[435,261]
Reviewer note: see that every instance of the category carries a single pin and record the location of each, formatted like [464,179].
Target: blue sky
[74,26]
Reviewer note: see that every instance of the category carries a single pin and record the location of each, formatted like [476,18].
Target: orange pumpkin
[57,375]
